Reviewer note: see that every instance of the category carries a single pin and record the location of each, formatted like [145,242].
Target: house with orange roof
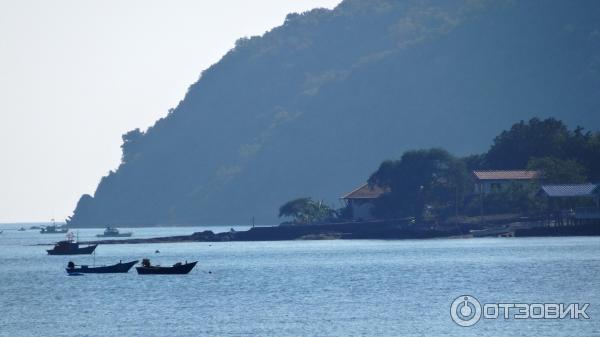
[488,181]
[361,200]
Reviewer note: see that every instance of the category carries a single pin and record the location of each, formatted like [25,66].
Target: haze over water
[296,288]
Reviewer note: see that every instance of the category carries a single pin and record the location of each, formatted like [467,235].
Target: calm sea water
[296,288]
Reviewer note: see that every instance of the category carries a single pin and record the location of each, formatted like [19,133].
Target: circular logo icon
[465,310]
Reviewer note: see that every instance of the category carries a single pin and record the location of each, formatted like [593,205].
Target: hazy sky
[76,75]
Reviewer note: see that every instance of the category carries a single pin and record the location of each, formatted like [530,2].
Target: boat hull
[75,251]
[54,232]
[122,235]
[173,270]
[116,268]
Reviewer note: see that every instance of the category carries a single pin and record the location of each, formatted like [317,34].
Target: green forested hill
[313,106]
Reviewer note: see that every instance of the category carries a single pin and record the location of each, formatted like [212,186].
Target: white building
[495,181]
[361,201]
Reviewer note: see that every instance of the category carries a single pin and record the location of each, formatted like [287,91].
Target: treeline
[434,184]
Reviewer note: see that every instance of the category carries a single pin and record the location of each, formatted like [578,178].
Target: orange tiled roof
[507,175]
[366,192]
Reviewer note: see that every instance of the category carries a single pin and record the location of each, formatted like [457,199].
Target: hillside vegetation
[313,106]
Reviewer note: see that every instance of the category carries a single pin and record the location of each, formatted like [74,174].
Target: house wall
[490,186]
[362,209]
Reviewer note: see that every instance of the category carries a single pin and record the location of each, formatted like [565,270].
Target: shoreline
[355,231]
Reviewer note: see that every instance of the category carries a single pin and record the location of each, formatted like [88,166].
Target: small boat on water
[54,229]
[177,268]
[120,267]
[22,229]
[113,233]
[70,247]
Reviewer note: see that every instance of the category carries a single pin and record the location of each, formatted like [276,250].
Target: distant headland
[312,107]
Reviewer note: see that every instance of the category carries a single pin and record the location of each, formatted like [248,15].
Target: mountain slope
[314,105]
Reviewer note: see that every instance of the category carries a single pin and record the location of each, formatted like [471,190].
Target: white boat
[111,232]
[54,229]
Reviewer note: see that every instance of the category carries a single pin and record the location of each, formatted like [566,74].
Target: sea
[297,288]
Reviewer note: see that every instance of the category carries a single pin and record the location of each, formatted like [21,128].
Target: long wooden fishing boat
[177,268]
[115,268]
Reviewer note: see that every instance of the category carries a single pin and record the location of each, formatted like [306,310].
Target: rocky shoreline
[349,231]
[378,230]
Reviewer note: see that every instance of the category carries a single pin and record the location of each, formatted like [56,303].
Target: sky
[76,75]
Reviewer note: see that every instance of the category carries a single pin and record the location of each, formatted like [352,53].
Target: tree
[130,144]
[558,171]
[306,211]
[512,149]
[584,147]
[473,161]
[515,198]
[526,143]
[421,178]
